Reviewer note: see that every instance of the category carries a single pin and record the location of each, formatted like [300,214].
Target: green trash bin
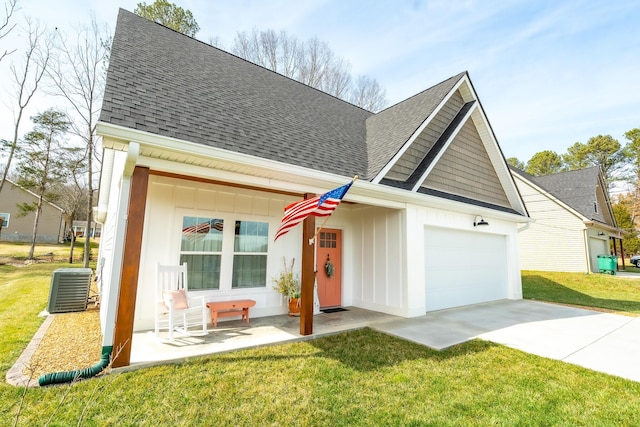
[608,264]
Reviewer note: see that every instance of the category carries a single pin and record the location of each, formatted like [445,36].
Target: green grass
[590,290]
[358,378]
[20,251]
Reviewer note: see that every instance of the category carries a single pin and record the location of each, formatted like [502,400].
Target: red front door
[329,267]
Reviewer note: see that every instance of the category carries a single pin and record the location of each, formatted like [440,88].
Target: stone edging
[15,376]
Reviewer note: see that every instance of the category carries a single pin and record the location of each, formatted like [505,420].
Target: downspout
[105,185]
[105,359]
[65,377]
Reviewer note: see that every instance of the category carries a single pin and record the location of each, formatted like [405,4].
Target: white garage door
[463,267]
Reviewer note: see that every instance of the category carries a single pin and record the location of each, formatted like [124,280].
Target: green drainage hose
[66,377]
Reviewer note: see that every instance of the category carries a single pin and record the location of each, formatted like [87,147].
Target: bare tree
[312,63]
[26,79]
[78,76]
[216,41]
[314,67]
[368,94]
[289,54]
[6,26]
[338,79]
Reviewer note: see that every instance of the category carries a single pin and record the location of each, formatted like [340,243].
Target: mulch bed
[73,341]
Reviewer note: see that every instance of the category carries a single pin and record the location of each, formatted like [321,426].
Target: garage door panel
[463,268]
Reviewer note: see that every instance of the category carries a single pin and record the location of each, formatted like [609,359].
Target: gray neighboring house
[51,225]
[573,221]
[195,136]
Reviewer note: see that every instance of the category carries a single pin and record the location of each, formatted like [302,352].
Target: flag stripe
[320,206]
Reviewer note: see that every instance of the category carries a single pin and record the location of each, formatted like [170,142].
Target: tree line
[76,72]
[71,68]
[311,62]
[59,159]
[619,164]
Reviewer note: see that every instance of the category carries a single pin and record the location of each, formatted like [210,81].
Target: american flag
[323,205]
[203,227]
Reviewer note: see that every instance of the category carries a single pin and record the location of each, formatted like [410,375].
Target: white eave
[172,155]
[486,135]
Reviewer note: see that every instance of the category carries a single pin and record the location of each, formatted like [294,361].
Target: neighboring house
[194,137]
[51,225]
[573,221]
[80,227]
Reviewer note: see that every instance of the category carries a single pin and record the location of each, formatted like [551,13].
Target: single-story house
[196,136]
[14,228]
[80,228]
[573,221]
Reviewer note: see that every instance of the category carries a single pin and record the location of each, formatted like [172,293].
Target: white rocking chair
[174,310]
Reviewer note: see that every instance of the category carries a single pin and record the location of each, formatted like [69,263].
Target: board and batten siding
[169,199]
[378,251]
[412,157]
[108,268]
[555,241]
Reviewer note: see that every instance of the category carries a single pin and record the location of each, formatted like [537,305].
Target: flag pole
[313,239]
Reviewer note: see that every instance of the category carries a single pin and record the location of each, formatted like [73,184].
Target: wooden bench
[230,308]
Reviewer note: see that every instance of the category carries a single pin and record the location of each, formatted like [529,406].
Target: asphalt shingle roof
[388,130]
[165,83]
[576,188]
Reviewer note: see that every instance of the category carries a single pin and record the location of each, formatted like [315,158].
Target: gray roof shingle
[165,83]
[388,130]
[576,188]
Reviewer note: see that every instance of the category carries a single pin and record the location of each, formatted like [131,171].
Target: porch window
[201,249]
[250,248]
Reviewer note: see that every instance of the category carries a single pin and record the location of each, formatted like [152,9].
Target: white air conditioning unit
[69,290]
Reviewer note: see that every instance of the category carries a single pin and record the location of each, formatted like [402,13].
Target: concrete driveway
[603,342]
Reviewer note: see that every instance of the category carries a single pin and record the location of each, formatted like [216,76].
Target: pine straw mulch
[73,341]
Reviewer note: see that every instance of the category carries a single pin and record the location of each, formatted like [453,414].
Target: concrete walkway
[603,342]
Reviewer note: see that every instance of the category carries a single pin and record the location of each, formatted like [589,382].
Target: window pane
[203,271]
[251,236]
[201,234]
[249,271]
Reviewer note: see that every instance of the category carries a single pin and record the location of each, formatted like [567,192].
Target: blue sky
[548,73]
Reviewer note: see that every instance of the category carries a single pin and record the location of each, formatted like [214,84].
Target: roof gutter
[292,176]
[604,226]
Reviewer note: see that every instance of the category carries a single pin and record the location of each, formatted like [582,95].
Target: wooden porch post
[130,267]
[308,275]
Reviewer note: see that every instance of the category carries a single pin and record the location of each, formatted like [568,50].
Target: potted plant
[288,284]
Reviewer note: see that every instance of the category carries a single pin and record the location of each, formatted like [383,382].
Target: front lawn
[590,290]
[357,378]
[17,252]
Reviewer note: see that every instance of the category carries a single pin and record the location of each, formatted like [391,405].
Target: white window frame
[227,253]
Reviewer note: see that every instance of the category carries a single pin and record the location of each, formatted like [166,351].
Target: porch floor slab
[147,350]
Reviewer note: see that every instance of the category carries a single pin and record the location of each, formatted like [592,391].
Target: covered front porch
[147,350]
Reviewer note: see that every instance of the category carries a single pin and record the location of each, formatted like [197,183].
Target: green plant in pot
[288,284]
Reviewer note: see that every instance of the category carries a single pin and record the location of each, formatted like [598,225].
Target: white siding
[379,259]
[420,220]
[556,240]
[111,248]
[169,199]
